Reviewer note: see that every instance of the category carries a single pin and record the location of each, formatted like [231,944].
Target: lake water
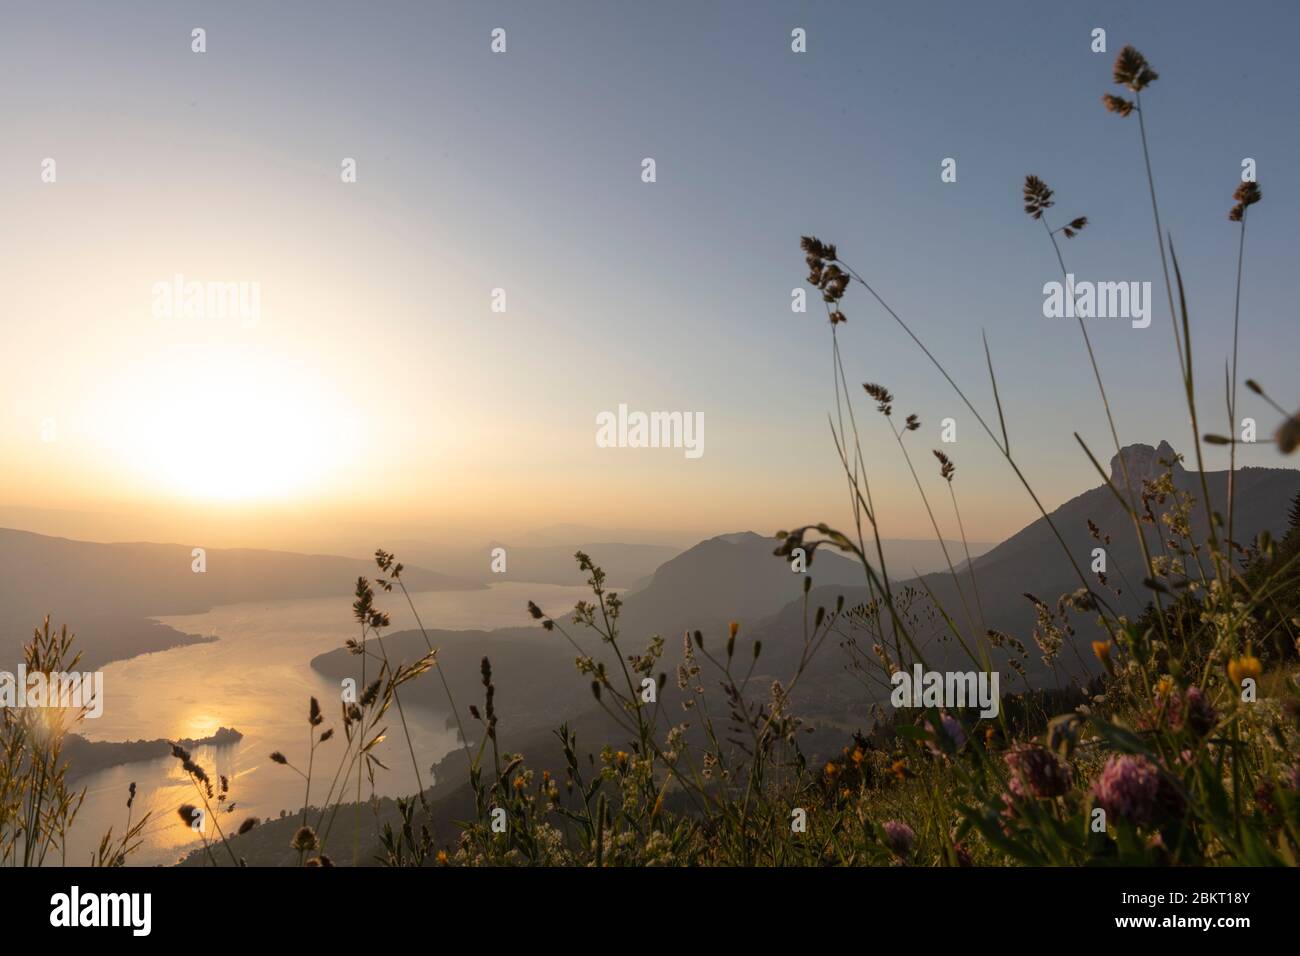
[257,678]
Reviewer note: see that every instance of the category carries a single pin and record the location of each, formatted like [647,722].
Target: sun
[219,427]
[233,444]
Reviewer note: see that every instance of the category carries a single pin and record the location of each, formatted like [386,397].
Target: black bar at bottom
[346,905]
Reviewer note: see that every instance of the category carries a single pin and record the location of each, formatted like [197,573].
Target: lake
[257,678]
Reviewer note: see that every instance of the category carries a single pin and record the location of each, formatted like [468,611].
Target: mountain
[736,577]
[728,577]
[630,567]
[731,576]
[562,534]
[540,564]
[1033,560]
[625,564]
[106,593]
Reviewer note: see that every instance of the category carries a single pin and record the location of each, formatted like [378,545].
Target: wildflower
[363,606]
[1038,197]
[1131,787]
[1117,104]
[1101,651]
[1080,599]
[1048,635]
[946,467]
[1192,712]
[1243,667]
[304,839]
[899,837]
[1288,435]
[1133,70]
[1291,708]
[1074,227]
[825,274]
[1063,734]
[818,249]
[1247,194]
[190,767]
[1011,803]
[1267,793]
[832,771]
[949,730]
[899,769]
[884,400]
[442,858]
[1037,772]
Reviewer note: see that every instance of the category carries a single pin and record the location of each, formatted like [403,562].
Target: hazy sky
[378,385]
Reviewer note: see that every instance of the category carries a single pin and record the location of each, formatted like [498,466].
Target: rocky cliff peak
[1143,461]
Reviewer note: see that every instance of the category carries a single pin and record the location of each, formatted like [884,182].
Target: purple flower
[963,855]
[1193,712]
[1266,793]
[1011,801]
[1037,772]
[951,728]
[1132,788]
[899,837]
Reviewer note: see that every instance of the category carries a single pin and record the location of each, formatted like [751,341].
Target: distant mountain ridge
[1033,561]
[106,593]
[736,576]
[625,563]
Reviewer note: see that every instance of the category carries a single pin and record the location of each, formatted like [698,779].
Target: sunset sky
[378,386]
